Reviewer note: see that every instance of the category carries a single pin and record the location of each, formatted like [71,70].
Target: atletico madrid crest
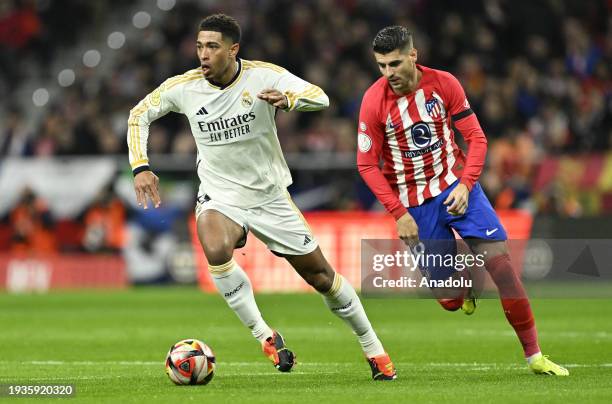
[433,107]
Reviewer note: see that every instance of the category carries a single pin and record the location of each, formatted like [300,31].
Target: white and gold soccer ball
[190,361]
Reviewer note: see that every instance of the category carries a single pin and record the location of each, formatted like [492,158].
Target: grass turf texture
[111,346]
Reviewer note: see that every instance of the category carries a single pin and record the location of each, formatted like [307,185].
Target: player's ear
[413,54]
[233,50]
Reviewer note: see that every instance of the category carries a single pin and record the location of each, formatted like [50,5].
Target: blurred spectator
[19,26]
[151,241]
[32,225]
[19,23]
[15,139]
[105,223]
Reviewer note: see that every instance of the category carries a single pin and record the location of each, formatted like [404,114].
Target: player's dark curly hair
[391,38]
[226,25]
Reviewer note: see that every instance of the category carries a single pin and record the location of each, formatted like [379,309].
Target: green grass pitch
[111,346]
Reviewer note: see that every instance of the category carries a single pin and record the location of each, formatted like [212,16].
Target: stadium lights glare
[91,58]
[40,97]
[141,19]
[166,5]
[66,77]
[115,40]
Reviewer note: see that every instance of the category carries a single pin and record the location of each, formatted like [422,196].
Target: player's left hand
[274,98]
[458,200]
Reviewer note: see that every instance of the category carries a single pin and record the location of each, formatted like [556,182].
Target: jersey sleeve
[455,100]
[467,124]
[301,95]
[370,139]
[156,104]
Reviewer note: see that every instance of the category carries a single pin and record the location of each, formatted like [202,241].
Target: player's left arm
[467,124]
[289,92]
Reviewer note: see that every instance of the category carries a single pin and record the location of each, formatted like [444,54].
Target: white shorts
[279,224]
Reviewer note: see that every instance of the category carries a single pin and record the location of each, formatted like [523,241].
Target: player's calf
[314,269]
[321,279]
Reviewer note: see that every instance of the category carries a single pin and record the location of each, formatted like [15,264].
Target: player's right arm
[370,139]
[155,105]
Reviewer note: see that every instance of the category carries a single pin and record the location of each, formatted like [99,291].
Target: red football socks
[514,302]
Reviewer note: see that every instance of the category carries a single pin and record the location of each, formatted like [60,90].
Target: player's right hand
[274,98]
[407,230]
[146,183]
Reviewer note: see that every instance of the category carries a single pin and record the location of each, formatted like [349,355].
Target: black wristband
[140,169]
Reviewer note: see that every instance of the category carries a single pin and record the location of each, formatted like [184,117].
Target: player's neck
[411,86]
[229,74]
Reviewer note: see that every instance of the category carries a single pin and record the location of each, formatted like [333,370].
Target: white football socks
[235,287]
[344,303]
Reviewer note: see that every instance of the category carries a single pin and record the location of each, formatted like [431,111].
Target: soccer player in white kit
[231,104]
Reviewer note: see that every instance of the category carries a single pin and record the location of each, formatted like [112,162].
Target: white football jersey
[239,160]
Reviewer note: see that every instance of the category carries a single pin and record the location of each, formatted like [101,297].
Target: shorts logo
[364,142]
[466,104]
[307,239]
[421,135]
[489,232]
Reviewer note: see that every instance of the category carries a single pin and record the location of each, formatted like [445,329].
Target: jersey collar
[234,79]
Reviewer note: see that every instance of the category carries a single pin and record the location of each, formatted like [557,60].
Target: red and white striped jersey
[413,135]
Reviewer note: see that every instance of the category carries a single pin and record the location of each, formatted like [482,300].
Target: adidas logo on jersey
[307,239]
[202,111]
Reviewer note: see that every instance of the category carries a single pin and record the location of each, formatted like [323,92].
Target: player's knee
[490,249]
[218,252]
[451,304]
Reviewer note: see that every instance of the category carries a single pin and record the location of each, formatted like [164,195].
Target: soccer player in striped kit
[428,184]
[231,104]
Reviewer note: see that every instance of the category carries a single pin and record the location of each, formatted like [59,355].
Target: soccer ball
[190,361]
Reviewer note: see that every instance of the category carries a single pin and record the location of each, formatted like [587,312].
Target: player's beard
[401,85]
[410,83]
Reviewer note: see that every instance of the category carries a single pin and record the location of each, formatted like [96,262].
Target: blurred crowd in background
[537,73]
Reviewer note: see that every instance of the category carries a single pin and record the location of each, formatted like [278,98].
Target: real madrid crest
[247,100]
